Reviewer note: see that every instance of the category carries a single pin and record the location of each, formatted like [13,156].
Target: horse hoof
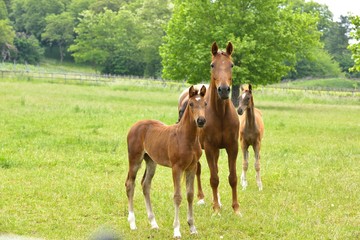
[201,202]
[216,213]
[193,230]
[155,227]
[133,226]
[177,236]
[238,213]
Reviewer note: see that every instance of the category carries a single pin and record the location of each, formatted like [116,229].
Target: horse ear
[214,48]
[229,48]
[250,87]
[192,91]
[202,91]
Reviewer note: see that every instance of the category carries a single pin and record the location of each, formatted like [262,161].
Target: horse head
[197,105]
[221,70]
[245,99]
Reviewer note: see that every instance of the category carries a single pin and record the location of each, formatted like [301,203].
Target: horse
[251,132]
[184,98]
[176,146]
[222,126]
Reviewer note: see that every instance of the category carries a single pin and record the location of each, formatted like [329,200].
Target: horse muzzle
[200,122]
[224,92]
[240,111]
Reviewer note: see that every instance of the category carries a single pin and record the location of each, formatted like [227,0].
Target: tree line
[273,39]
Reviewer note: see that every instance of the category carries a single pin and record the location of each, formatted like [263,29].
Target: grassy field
[63,165]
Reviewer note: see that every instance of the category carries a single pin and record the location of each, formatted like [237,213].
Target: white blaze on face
[243,95]
[197,98]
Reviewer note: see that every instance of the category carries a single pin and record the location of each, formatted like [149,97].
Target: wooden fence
[81,78]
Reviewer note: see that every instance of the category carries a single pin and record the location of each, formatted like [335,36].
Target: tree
[267,37]
[336,42]
[28,49]
[153,16]
[355,47]
[101,5]
[108,40]
[319,64]
[6,39]
[59,30]
[3,10]
[29,15]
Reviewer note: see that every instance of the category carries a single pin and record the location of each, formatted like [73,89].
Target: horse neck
[187,125]
[250,114]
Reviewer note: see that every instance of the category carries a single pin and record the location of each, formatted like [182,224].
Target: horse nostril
[219,89]
[201,121]
[240,111]
[228,89]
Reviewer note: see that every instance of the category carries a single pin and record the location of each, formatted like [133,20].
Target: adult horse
[251,132]
[176,146]
[222,126]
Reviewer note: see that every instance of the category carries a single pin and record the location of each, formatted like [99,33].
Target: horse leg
[134,165]
[176,173]
[212,156]
[190,177]
[245,165]
[200,194]
[146,186]
[257,166]
[232,152]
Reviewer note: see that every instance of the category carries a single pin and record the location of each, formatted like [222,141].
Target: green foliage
[6,39]
[3,10]
[29,15]
[153,16]
[265,47]
[334,38]
[101,5]
[355,47]
[63,164]
[59,30]
[319,64]
[107,40]
[28,49]
[336,41]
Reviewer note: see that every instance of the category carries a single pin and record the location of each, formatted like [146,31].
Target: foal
[176,146]
[251,132]
[184,98]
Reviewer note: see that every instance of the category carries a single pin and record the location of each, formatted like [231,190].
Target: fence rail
[136,81]
[88,78]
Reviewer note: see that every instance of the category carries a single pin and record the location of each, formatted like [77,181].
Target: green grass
[48,65]
[328,83]
[63,165]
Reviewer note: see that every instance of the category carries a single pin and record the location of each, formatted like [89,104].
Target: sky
[342,7]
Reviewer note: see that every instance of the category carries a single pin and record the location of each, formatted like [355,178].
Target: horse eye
[212,65]
[232,65]
[191,104]
[205,103]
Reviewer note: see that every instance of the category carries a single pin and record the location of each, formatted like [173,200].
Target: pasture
[63,165]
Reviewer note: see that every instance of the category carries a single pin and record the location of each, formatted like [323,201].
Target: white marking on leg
[243,180]
[177,233]
[201,202]
[259,183]
[131,219]
[218,195]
